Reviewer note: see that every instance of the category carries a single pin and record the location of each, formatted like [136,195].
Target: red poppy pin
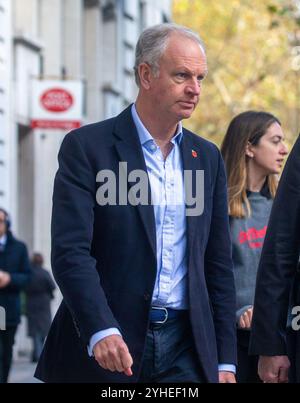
[194,154]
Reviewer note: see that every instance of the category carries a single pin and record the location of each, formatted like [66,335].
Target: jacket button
[146,296]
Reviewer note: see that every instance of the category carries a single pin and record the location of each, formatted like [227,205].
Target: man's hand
[5,279]
[226,377]
[273,369]
[112,353]
[246,319]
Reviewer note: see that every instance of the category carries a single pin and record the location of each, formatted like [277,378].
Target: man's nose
[194,87]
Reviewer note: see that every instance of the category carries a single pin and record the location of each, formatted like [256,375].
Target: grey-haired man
[148,287]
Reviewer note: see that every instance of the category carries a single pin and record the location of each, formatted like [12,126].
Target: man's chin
[186,115]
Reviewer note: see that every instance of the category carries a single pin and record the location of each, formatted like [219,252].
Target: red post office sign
[57,100]
[57,104]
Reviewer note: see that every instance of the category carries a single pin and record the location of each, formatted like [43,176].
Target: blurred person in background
[14,276]
[39,294]
[254,151]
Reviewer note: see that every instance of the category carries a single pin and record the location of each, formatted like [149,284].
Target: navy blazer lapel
[192,161]
[130,150]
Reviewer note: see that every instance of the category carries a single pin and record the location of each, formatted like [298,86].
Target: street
[22,371]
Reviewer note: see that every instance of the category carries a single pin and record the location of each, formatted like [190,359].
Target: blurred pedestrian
[254,151]
[14,276]
[39,294]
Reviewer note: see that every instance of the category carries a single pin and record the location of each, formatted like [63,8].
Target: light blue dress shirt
[168,199]
[167,190]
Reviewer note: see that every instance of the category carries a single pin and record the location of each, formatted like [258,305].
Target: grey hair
[153,42]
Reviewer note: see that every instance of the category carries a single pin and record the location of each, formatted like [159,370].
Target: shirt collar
[144,135]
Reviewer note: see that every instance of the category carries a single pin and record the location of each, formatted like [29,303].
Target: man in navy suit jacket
[140,238]
[278,283]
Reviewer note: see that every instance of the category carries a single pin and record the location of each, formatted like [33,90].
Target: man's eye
[181,75]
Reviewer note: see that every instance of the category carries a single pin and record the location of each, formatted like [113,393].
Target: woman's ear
[249,151]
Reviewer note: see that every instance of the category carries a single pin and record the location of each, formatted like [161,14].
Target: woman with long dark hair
[254,151]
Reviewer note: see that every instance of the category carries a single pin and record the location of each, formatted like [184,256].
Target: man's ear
[249,151]
[146,75]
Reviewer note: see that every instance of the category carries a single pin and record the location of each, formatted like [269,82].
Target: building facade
[6,146]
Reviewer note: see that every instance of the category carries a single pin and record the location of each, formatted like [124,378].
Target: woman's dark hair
[246,128]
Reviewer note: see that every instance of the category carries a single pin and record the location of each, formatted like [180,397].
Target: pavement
[22,371]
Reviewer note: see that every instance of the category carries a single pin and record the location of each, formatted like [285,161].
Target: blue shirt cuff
[227,368]
[99,336]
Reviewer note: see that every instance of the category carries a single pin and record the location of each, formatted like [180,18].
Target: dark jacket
[278,265]
[14,260]
[104,258]
[39,293]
